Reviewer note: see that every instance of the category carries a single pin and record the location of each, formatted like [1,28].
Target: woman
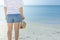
[14,13]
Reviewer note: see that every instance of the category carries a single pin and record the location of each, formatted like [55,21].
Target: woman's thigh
[10,26]
[16,27]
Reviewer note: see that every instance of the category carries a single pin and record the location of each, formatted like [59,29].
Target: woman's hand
[22,17]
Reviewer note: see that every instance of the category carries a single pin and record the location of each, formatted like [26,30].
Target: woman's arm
[5,10]
[21,12]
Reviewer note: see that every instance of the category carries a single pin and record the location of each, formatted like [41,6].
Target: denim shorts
[13,18]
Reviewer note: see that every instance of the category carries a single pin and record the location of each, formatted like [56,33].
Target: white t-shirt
[13,6]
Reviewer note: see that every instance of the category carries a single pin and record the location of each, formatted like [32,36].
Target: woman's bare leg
[10,27]
[16,29]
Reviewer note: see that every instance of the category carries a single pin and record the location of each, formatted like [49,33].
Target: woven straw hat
[22,25]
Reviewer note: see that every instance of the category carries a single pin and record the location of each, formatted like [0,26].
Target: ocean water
[49,14]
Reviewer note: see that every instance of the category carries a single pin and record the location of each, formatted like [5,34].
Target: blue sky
[39,2]
[42,2]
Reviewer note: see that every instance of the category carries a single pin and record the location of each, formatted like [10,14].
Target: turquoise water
[48,14]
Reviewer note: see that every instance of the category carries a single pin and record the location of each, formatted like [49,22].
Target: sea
[49,14]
